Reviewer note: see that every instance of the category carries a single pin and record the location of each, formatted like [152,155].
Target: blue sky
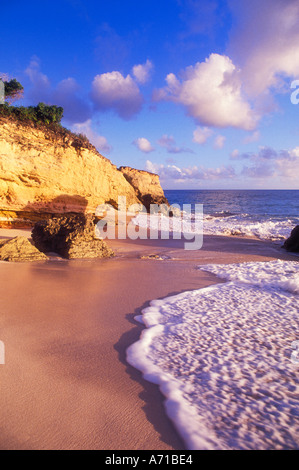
[196,91]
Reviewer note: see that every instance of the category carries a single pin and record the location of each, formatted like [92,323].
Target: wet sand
[66,326]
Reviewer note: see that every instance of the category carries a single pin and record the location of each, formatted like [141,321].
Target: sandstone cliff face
[40,174]
[147,186]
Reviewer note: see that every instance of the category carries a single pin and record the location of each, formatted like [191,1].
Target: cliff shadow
[35,211]
[64,203]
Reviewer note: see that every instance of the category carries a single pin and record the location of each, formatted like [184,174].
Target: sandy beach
[66,326]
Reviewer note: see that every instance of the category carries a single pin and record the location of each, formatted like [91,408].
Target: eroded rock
[147,186]
[292,243]
[20,249]
[71,236]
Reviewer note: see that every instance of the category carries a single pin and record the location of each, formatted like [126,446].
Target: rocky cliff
[146,185]
[43,172]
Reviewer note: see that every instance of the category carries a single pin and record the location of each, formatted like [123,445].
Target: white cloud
[142,72]
[287,165]
[168,142]
[295,152]
[201,135]
[97,140]
[265,42]
[265,163]
[211,93]
[268,162]
[219,142]
[114,91]
[260,170]
[173,172]
[144,145]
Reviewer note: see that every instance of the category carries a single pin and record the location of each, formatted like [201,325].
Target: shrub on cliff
[40,114]
[48,114]
[47,118]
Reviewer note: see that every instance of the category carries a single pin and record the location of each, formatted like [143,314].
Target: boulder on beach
[70,236]
[292,243]
[20,249]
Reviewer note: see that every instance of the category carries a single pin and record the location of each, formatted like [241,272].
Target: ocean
[226,357]
[266,214]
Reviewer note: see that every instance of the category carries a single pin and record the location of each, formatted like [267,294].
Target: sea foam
[222,357]
[225,224]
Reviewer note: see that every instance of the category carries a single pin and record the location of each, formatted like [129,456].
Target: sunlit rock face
[147,186]
[43,173]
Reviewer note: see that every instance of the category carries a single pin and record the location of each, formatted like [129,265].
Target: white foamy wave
[272,275]
[228,225]
[222,357]
[237,225]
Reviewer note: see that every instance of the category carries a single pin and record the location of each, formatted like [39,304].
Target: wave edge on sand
[221,356]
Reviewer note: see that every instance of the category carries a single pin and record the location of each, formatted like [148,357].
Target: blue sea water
[256,203]
[267,214]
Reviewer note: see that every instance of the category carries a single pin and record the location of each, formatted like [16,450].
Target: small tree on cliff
[13,90]
[42,113]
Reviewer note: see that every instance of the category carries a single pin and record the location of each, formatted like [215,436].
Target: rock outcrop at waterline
[44,172]
[292,243]
[146,185]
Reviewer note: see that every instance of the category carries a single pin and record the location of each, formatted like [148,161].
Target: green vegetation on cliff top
[45,117]
[41,114]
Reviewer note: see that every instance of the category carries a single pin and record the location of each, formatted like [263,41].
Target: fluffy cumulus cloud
[168,142]
[211,93]
[237,89]
[176,174]
[97,140]
[143,144]
[201,135]
[113,91]
[142,72]
[265,42]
